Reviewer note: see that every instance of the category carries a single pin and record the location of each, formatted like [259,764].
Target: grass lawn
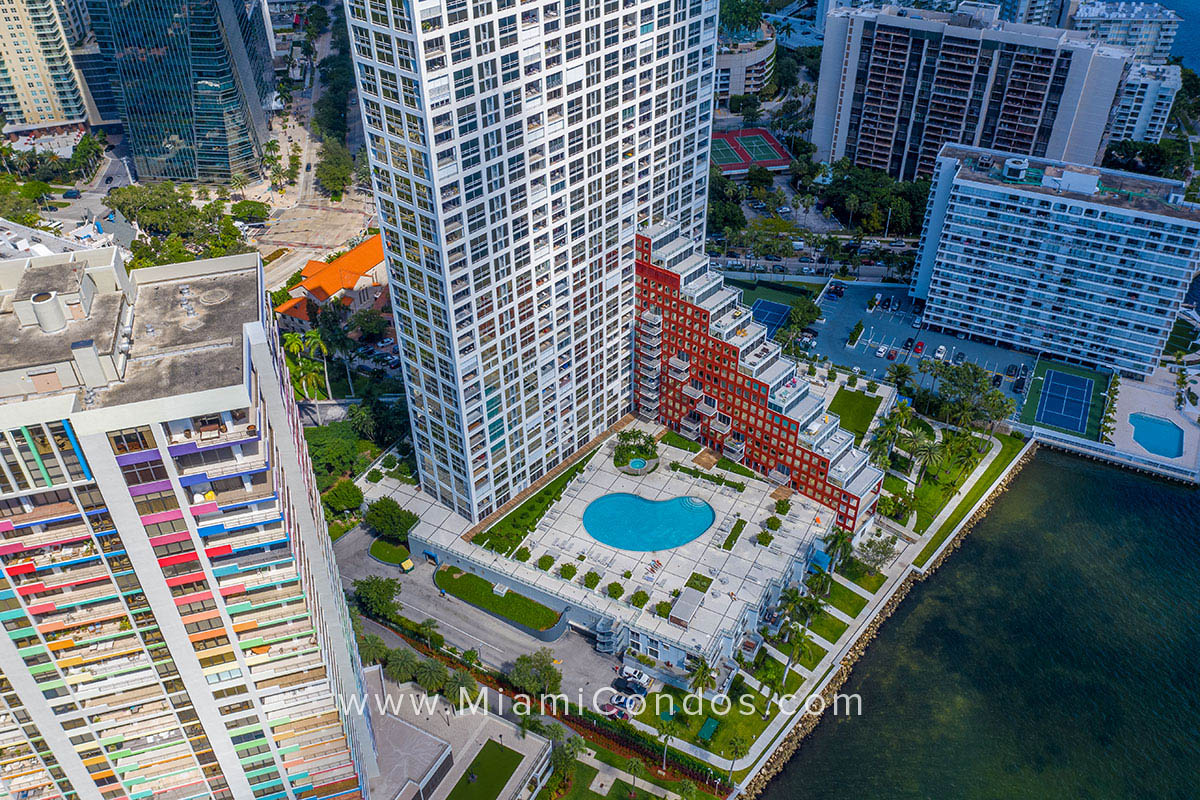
[389,553]
[811,656]
[733,466]
[339,528]
[733,723]
[857,572]
[492,767]
[894,485]
[675,440]
[734,533]
[1181,339]
[827,626]
[776,292]
[1009,447]
[846,600]
[855,409]
[919,424]
[478,592]
[582,776]
[507,534]
[699,582]
[606,756]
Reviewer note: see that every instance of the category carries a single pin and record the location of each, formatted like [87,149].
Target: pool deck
[740,576]
[1156,397]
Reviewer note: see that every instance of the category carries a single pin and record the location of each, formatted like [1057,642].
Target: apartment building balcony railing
[734,449]
[650,368]
[779,476]
[719,426]
[650,350]
[204,433]
[690,425]
[707,406]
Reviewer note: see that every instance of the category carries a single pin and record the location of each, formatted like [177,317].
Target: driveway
[890,329]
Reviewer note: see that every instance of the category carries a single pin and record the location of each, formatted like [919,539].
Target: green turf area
[675,440]
[739,469]
[857,572]
[827,626]
[786,293]
[1034,392]
[846,600]
[699,582]
[722,153]
[735,722]
[921,425]
[492,766]
[478,592]
[1181,340]
[734,533]
[388,553]
[339,528]
[507,534]
[855,409]
[1009,447]
[893,484]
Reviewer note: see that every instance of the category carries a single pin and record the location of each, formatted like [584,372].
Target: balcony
[690,426]
[779,476]
[652,319]
[735,449]
[707,406]
[719,426]
[693,392]
[201,433]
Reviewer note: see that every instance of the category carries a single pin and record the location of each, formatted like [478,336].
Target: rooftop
[323,279]
[1110,187]
[77,322]
[1145,11]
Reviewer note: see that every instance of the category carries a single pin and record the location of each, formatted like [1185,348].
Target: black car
[959,359]
[1024,370]
[908,343]
[1019,385]
[997,379]
[108,180]
[629,687]
[772,257]
[1011,371]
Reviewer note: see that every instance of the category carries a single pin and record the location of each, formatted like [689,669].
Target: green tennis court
[758,148]
[723,153]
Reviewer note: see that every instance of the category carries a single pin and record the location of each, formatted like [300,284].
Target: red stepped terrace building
[708,371]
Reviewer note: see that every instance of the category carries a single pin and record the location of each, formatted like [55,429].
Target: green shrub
[872,386]
[615,590]
[389,461]
[374,476]
[662,608]
[699,582]
[639,599]
[626,574]
[675,440]
[343,496]
[567,571]
[592,579]
[782,507]
[523,554]
[851,380]
[765,538]
[772,523]
[545,562]
[734,534]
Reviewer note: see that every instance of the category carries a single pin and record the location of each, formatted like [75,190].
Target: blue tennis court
[770,314]
[1065,401]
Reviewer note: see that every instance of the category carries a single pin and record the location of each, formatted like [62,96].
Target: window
[131,440]
[145,472]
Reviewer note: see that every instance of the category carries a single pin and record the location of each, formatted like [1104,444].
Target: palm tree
[838,545]
[686,790]
[427,628]
[772,685]
[636,769]
[821,583]
[460,688]
[801,643]
[668,729]
[314,344]
[308,378]
[899,375]
[738,747]
[431,675]
[926,451]
[470,658]
[293,344]
[401,664]
[238,183]
[701,675]
[372,649]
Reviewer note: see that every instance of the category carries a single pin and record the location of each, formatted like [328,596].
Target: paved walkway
[607,775]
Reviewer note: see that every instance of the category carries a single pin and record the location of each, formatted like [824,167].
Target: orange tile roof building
[355,278]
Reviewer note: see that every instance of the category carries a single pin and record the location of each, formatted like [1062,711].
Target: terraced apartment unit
[174,625]
[706,369]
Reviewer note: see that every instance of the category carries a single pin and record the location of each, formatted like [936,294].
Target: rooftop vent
[48,311]
[1015,168]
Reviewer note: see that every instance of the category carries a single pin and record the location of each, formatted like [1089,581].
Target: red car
[891,355]
[920,348]
[609,710]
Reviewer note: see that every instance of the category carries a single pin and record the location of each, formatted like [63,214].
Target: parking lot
[891,329]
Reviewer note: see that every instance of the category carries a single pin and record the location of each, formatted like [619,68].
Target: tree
[343,496]
[361,420]
[787,70]
[238,183]
[877,551]
[314,344]
[759,177]
[401,664]
[668,729]
[308,378]
[899,375]
[389,521]
[293,344]
[335,168]
[838,546]
[431,675]
[636,769]
[460,688]
[37,191]
[803,312]
[371,323]
[426,628]
[535,673]
[376,596]
[751,114]
[925,451]
[701,676]
[250,211]
[371,649]
[738,747]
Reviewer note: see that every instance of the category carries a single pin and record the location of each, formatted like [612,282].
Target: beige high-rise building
[39,87]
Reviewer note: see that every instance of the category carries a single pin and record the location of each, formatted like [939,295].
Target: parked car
[308,167]
[783,210]
[961,335]
[917,322]
[919,348]
[1011,371]
[386,342]
[886,305]
[1024,370]
[881,351]
[892,354]
[806,270]
[635,674]
[772,257]
[609,710]
[733,265]
[908,343]
[72,194]
[959,359]
[997,379]
[1019,385]
[940,353]
[108,180]
[630,687]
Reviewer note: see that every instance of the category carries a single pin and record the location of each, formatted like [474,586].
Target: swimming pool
[634,523]
[637,463]
[1158,435]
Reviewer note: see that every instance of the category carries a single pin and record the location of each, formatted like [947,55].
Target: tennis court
[723,153]
[771,315]
[758,147]
[1065,401]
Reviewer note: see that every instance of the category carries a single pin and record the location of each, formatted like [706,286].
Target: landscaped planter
[646,466]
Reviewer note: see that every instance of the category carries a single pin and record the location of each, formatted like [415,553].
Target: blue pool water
[637,463]
[635,523]
[1160,436]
